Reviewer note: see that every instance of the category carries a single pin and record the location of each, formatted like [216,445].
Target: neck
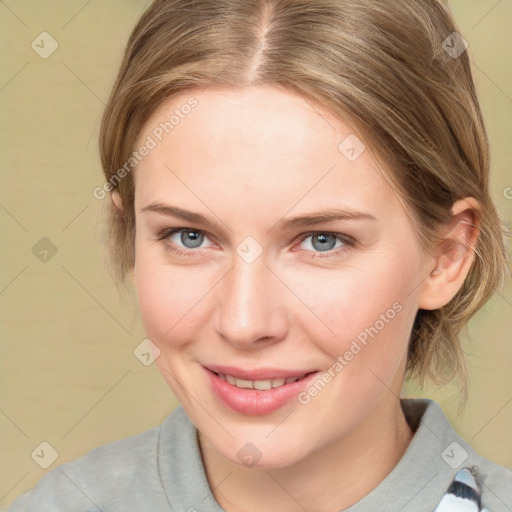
[341,473]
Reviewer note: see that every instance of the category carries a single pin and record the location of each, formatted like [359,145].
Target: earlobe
[455,255]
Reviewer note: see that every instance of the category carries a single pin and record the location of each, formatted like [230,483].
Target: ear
[454,257]
[116,199]
[118,203]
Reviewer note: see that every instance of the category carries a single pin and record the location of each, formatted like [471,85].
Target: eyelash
[348,242]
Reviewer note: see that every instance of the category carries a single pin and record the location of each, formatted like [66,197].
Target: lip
[253,402]
[258,373]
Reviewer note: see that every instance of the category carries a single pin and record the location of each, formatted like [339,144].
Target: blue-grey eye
[323,242]
[191,239]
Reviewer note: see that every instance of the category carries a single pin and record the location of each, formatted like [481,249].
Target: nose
[251,305]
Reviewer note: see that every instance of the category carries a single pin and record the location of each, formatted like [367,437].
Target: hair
[381,65]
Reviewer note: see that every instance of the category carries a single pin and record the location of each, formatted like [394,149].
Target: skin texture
[246,159]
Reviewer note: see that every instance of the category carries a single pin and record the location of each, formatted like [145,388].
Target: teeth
[260,385]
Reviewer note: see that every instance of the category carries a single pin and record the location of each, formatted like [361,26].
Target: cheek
[372,321]
[172,299]
[357,304]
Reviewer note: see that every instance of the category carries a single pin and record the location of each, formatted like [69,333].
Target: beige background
[69,376]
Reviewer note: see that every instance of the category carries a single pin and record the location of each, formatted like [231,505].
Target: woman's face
[295,256]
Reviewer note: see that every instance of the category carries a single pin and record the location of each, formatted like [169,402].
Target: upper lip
[258,373]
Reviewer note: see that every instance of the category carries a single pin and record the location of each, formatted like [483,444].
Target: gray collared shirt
[162,470]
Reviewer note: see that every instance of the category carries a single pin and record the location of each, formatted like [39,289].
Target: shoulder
[122,475]
[453,454]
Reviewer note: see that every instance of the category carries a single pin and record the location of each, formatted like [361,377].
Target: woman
[300,191]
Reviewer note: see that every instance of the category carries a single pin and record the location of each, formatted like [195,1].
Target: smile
[258,395]
[258,384]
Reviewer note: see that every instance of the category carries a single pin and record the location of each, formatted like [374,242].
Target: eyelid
[341,236]
[166,233]
[348,243]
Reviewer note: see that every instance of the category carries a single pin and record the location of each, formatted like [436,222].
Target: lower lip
[253,402]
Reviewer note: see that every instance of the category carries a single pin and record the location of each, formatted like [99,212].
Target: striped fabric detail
[463,495]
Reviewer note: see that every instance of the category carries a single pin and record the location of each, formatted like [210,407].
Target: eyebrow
[300,221]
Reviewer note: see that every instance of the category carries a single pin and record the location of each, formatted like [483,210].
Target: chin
[259,455]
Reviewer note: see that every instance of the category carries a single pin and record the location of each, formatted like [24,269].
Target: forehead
[259,119]
[254,147]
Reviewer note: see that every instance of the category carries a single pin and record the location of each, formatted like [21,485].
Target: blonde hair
[382,65]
